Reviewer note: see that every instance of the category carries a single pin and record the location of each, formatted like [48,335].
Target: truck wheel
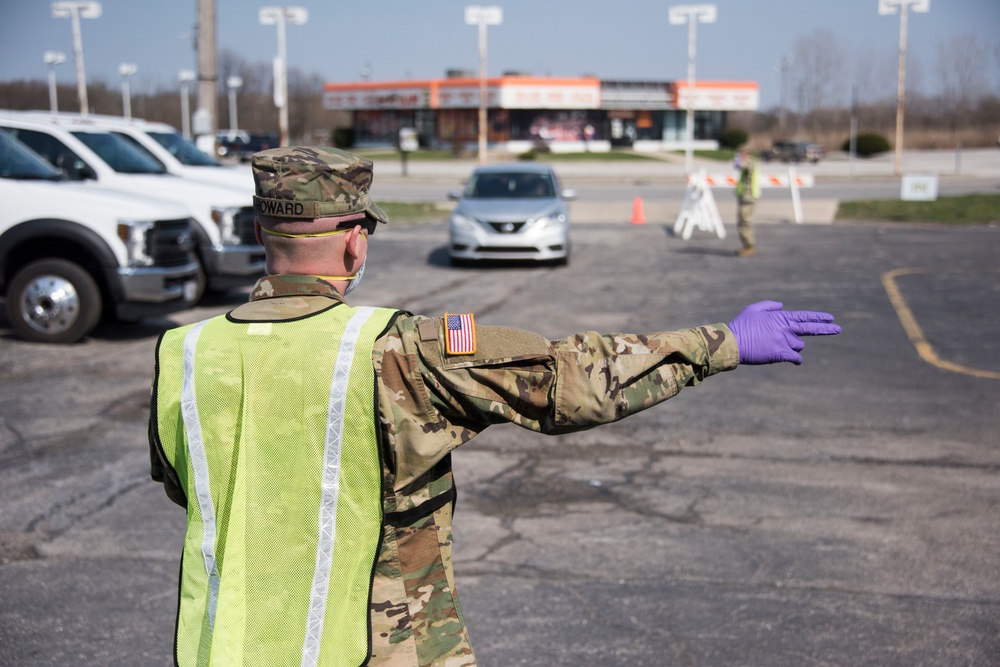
[53,301]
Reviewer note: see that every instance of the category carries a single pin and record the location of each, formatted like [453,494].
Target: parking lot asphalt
[843,512]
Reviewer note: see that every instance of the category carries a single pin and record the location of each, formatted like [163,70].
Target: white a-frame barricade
[699,209]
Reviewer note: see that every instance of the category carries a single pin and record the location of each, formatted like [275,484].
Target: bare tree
[819,70]
[875,75]
[962,76]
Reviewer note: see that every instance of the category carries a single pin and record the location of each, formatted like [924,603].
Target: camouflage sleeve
[562,385]
[604,378]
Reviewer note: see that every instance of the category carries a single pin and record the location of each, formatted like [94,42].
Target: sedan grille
[506,227]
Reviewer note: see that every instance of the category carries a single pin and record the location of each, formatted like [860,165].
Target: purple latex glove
[766,334]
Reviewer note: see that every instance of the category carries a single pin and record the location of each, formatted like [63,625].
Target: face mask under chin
[351,286]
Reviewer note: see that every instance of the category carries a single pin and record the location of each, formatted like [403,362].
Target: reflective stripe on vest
[331,486]
[199,463]
[259,451]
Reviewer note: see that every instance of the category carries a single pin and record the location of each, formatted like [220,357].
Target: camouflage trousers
[744,222]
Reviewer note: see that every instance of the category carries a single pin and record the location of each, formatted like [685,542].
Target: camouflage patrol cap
[309,182]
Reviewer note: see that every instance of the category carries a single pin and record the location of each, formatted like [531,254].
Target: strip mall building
[567,115]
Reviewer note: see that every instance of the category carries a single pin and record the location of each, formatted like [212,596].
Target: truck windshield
[17,161]
[119,155]
[182,149]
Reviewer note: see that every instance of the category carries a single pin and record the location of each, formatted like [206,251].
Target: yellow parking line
[916,334]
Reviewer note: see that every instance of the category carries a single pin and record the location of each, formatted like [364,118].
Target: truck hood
[69,199]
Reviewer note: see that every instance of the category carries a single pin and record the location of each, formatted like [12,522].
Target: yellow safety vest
[271,431]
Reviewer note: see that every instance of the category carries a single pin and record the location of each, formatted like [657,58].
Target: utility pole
[127,70]
[783,67]
[691,14]
[483,16]
[233,83]
[185,76]
[208,103]
[74,11]
[891,7]
[53,58]
[279,16]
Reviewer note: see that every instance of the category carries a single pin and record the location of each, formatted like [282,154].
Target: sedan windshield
[17,161]
[182,149]
[510,185]
[119,155]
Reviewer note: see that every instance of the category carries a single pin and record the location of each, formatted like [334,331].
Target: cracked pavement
[844,512]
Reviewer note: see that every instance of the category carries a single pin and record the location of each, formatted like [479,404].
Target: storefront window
[545,125]
[381,127]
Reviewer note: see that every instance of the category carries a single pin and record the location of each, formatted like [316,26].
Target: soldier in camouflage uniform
[314,214]
[747,193]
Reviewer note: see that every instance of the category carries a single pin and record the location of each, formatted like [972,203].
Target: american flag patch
[460,334]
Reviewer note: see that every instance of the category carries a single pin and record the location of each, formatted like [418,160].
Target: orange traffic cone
[638,216]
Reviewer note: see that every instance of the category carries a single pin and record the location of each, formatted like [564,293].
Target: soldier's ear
[356,243]
[256,231]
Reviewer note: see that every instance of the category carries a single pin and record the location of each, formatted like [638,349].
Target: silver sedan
[510,212]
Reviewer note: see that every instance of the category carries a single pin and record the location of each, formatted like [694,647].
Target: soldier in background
[310,441]
[747,194]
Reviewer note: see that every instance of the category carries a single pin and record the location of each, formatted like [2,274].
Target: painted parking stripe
[916,334]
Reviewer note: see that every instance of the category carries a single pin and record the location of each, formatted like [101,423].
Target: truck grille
[244,226]
[171,242]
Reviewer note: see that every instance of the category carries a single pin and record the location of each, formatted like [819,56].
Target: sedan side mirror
[568,194]
[454,196]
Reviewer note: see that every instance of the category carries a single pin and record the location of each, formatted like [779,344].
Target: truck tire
[53,301]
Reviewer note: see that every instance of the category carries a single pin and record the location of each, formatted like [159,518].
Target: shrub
[867,145]
[343,137]
[732,138]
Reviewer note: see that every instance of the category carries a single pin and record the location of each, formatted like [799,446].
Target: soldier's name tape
[307,210]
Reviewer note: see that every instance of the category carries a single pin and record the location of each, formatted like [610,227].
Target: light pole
[482,16]
[233,83]
[53,58]
[75,10]
[782,67]
[185,76]
[127,70]
[891,7]
[691,14]
[279,16]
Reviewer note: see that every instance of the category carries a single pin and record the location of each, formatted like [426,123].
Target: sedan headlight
[460,221]
[225,220]
[135,235]
[547,221]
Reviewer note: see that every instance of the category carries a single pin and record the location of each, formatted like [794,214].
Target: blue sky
[420,39]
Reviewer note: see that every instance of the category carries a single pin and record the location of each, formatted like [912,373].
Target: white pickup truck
[70,253]
[226,246]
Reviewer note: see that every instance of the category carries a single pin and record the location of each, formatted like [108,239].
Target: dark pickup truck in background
[793,151]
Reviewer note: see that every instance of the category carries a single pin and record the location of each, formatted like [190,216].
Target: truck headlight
[225,220]
[135,235]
